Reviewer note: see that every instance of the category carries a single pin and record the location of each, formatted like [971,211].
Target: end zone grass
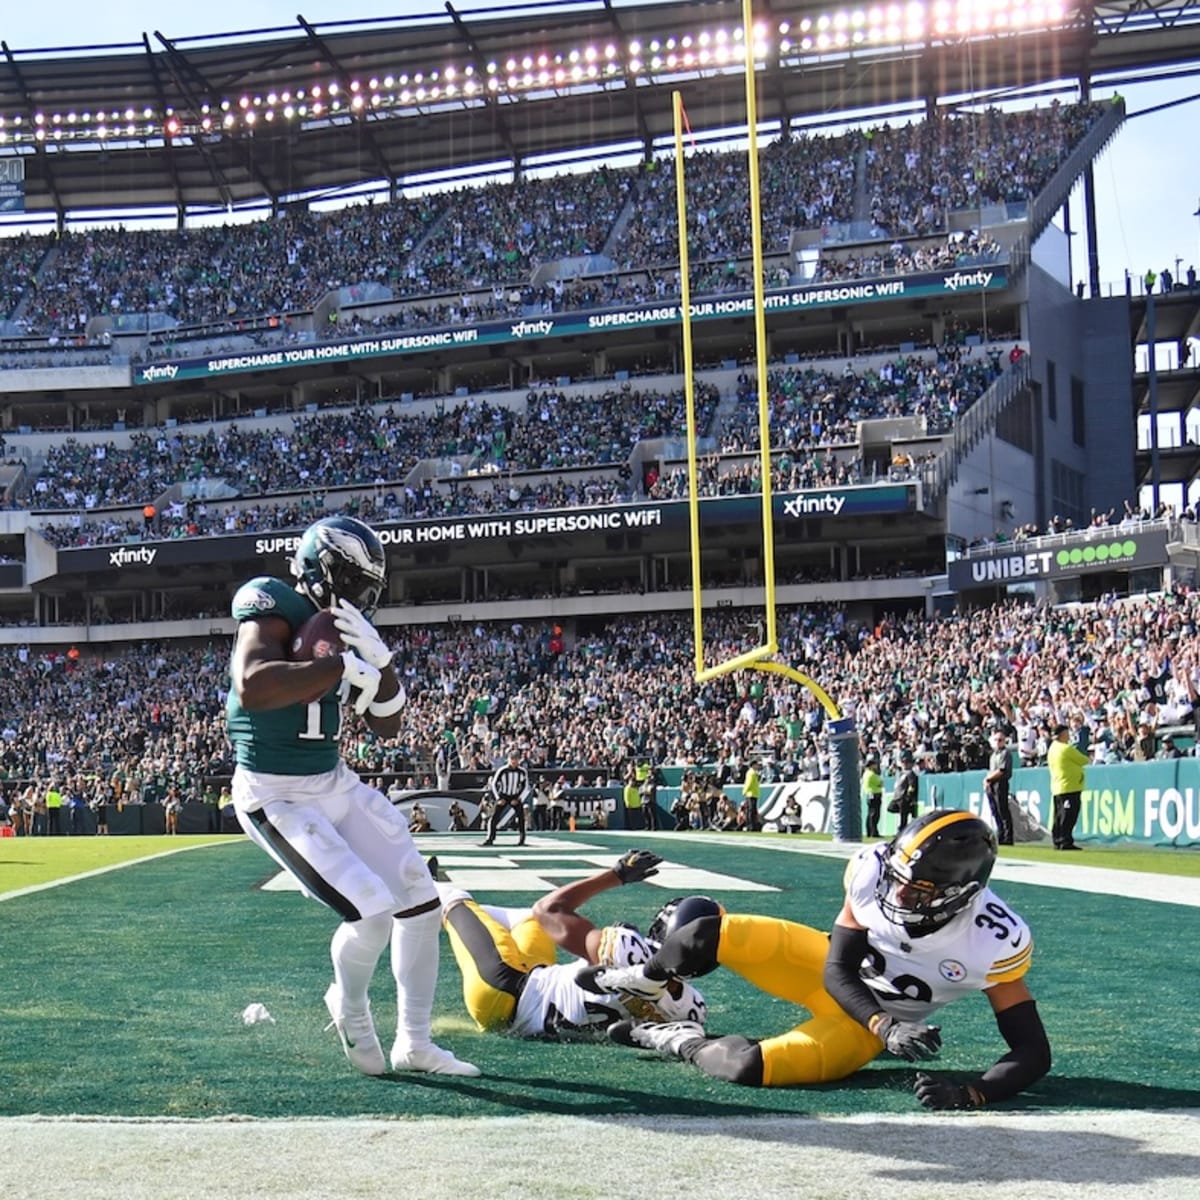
[123,1019]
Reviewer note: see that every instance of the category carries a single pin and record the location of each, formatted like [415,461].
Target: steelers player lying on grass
[513,983]
[918,929]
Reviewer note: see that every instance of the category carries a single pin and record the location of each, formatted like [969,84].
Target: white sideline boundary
[1080,1155]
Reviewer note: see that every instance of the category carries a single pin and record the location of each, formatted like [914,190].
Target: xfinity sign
[826,504]
[968,279]
[124,556]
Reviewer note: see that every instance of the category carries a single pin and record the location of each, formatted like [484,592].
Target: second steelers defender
[513,983]
[919,928]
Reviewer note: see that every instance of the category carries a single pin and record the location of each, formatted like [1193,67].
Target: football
[318,637]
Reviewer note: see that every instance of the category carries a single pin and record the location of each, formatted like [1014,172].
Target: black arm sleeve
[847,949]
[1028,1058]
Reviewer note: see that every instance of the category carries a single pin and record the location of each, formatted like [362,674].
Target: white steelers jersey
[553,1005]
[985,944]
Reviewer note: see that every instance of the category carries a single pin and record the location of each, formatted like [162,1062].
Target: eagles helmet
[933,868]
[340,558]
[679,912]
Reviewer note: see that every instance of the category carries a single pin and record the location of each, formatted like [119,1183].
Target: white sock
[415,952]
[355,951]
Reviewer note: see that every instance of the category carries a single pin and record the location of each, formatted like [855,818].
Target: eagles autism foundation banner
[1156,803]
[576,324]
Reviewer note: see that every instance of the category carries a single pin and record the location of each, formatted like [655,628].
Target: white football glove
[360,635]
[362,677]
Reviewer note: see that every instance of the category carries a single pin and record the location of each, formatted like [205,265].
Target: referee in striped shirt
[508,787]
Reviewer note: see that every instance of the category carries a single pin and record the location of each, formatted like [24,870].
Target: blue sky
[1147,184]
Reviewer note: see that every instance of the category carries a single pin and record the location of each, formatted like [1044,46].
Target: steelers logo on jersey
[951,969]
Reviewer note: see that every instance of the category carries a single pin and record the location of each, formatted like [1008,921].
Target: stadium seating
[486,244]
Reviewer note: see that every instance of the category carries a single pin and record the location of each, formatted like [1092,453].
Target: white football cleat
[431,1059]
[668,1039]
[630,981]
[357,1031]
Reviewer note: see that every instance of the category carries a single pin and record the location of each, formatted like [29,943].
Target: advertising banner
[565,526]
[1103,549]
[576,324]
[1155,803]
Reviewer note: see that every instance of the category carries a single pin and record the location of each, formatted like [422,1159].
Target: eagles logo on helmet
[340,558]
[680,911]
[933,868]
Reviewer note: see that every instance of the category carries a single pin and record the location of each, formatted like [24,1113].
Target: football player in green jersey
[341,840]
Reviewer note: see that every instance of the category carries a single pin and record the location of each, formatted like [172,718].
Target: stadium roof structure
[274,115]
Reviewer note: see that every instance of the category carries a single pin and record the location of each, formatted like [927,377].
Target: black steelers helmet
[679,912]
[933,868]
[340,558]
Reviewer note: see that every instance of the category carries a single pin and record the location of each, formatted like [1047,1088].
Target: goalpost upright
[847,814]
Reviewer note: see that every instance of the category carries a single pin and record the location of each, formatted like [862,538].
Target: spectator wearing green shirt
[872,790]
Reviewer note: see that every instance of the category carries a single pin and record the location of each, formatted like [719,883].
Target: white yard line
[131,862]
[1137,885]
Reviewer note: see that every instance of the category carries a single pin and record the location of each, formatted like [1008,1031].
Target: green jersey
[301,739]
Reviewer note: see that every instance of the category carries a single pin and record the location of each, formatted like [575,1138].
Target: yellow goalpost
[761,657]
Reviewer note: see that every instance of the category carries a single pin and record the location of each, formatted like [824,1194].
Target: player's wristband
[388,708]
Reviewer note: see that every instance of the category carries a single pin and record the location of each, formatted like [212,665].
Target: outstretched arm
[558,911]
[1027,1060]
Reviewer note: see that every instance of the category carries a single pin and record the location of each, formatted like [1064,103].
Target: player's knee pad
[367,934]
[692,949]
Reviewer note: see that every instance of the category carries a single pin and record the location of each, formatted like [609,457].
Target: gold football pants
[494,961]
[787,960]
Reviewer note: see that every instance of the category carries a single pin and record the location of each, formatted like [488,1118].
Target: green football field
[125,988]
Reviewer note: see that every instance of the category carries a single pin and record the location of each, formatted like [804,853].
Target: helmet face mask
[340,558]
[934,868]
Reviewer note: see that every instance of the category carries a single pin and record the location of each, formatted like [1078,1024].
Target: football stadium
[658,484]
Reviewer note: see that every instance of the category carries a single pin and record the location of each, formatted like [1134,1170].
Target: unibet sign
[1105,552]
[1081,554]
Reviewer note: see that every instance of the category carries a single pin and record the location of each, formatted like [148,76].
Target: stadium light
[841,30]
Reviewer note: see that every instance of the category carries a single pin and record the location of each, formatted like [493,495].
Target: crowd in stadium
[340,448]
[493,237]
[1123,675]
[967,249]
[915,173]
[812,408]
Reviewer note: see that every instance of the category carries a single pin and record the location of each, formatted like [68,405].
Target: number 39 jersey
[986,944]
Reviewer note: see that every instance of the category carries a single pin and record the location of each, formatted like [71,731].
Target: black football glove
[636,865]
[909,1040]
[941,1093]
